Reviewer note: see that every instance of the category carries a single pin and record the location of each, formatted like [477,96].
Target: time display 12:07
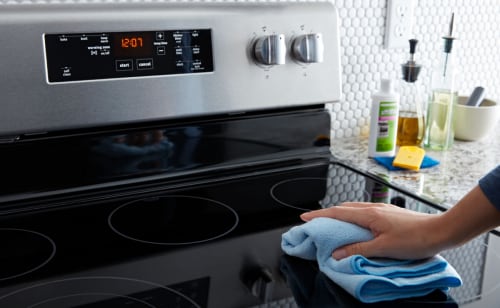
[133,44]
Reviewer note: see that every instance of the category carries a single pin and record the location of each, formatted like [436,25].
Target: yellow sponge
[409,157]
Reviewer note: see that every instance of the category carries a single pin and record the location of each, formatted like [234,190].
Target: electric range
[153,153]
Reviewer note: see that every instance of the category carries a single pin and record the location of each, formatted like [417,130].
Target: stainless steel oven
[152,154]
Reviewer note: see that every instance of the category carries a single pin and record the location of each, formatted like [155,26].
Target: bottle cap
[411,69]
[448,39]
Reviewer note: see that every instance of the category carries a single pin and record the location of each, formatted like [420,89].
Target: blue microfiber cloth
[368,280]
[427,162]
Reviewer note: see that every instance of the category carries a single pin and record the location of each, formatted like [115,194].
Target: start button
[124,65]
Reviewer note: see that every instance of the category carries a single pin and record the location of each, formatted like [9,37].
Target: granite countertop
[459,169]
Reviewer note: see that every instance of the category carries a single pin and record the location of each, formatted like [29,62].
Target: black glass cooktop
[214,243]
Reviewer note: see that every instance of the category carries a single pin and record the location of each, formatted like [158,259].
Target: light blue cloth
[369,280]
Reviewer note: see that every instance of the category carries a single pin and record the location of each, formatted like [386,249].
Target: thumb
[360,248]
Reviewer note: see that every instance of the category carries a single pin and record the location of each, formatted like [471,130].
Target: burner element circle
[173,220]
[304,194]
[96,297]
[313,193]
[23,252]
[93,291]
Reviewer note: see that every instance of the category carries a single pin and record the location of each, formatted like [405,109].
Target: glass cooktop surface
[215,243]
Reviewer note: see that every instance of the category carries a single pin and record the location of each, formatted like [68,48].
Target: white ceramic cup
[474,123]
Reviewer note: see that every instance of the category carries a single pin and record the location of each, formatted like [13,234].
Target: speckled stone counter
[459,170]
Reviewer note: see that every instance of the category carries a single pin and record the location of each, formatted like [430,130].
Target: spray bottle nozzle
[413,46]
[411,69]
[448,39]
[448,43]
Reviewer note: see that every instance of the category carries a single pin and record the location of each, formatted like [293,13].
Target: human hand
[398,233]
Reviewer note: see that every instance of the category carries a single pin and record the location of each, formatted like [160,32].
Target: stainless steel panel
[29,104]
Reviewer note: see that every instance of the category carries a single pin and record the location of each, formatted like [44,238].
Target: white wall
[364,59]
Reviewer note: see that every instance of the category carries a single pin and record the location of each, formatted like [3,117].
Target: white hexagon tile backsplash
[365,60]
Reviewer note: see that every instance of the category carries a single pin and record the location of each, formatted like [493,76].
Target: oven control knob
[270,50]
[260,282]
[308,48]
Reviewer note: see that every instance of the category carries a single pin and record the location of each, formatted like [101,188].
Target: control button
[270,50]
[124,65]
[144,64]
[66,71]
[160,36]
[308,48]
[178,37]
[161,50]
[196,65]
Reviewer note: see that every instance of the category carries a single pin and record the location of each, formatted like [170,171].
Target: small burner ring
[313,193]
[11,271]
[296,195]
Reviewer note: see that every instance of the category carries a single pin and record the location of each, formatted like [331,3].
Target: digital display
[134,44]
[101,55]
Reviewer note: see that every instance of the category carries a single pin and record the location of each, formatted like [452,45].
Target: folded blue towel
[427,162]
[369,280]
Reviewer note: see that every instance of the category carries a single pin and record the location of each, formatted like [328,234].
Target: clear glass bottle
[444,96]
[411,124]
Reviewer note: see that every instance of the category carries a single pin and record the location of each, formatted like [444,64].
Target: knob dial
[270,50]
[260,282]
[308,48]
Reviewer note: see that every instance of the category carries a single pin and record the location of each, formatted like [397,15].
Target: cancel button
[144,64]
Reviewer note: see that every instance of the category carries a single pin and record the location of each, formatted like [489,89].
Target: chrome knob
[308,48]
[270,50]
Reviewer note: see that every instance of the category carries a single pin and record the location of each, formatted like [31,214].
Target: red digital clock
[133,44]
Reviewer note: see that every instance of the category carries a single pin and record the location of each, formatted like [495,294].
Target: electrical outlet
[399,23]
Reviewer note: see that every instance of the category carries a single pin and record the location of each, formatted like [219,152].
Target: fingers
[348,250]
[358,216]
[329,212]
[363,205]
[361,248]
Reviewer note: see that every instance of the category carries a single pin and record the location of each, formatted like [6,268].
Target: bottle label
[386,126]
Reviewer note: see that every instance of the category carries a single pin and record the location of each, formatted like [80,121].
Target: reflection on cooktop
[173,220]
[27,251]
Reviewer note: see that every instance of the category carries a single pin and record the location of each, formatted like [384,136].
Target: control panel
[74,65]
[91,56]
